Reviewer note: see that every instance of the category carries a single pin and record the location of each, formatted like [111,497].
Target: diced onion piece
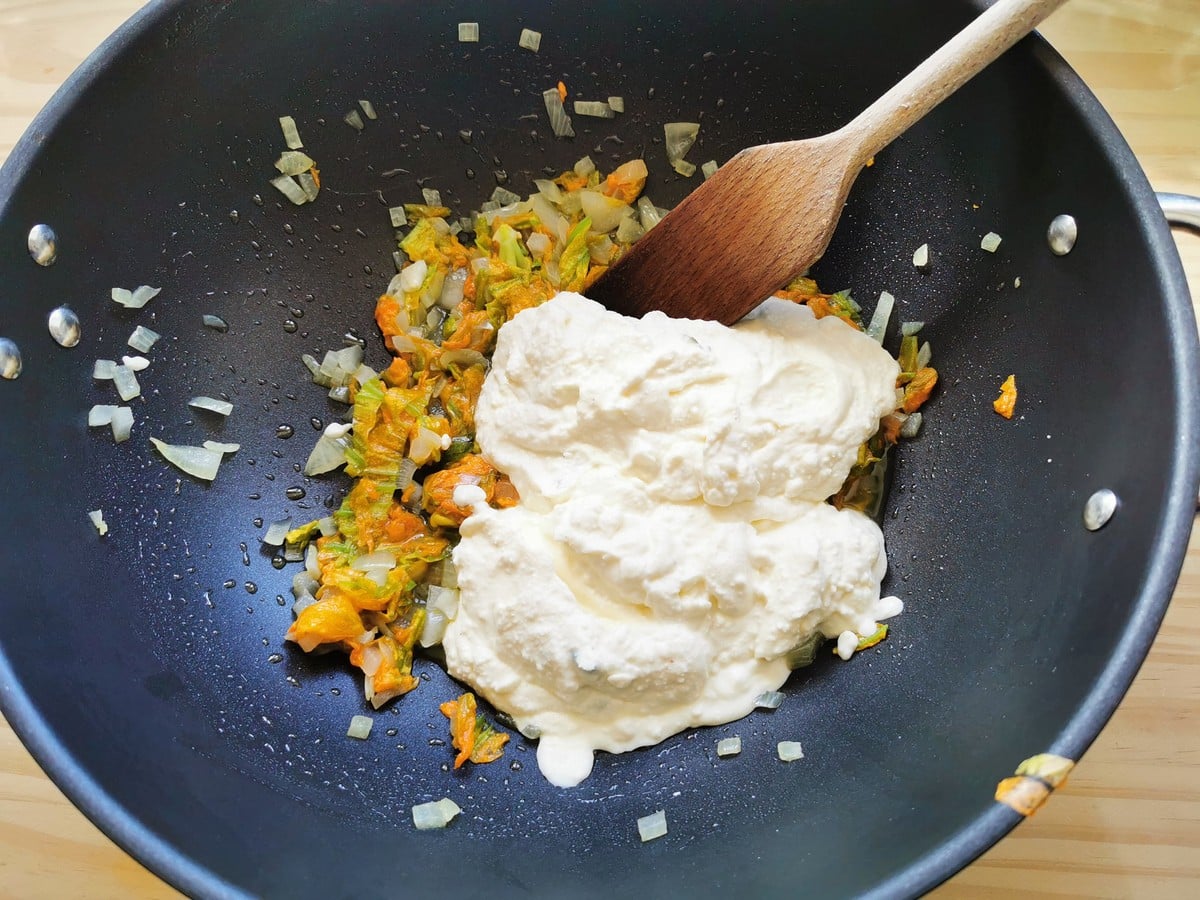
[505,197]
[327,526]
[424,446]
[538,244]
[221,447]
[560,122]
[684,168]
[584,167]
[680,136]
[122,423]
[924,355]
[1017,281]
[595,108]
[220,407]
[907,328]
[103,369]
[368,109]
[434,198]
[398,260]
[97,517]
[291,136]
[135,363]
[768,700]
[309,185]
[617,104]
[652,826]
[277,532]
[847,643]
[143,339]
[287,186]
[380,559]
[126,383]
[405,473]
[709,169]
[397,216]
[604,211]
[136,298]
[328,454]
[216,323]
[530,40]
[439,814]
[434,628]
[921,256]
[443,600]
[629,229]
[883,314]
[465,357]
[911,426]
[122,296]
[990,242]
[197,461]
[468,32]
[648,213]
[353,119]
[729,746]
[293,162]
[360,727]
[100,414]
[549,190]
[413,276]
[789,751]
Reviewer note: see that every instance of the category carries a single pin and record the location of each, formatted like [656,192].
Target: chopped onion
[680,136]
[126,383]
[468,32]
[293,162]
[216,323]
[465,357]
[303,584]
[883,314]
[197,461]
[122,423]
[398,260]
[424,446]
[287,186]
[530,40]
[505,197]
[380,559]
[328,454]
[909,328]
[135,363]
[789,751]
[428,816]
[768,700]
[360,727]
[1017,281]
[605,212]
[447,576]
[554,221]
[629,229]
[340,393]
[560,122]
[684,168]
[142,339]
[709,169]
[220,447]
[103,369]
[277,532]
[413,276]
[648,213]
[220,407]
[327,526]
[729,746]
[433,629]
[291,136]
[596,108]
[432,197]
[549,190]
[364,373]
[122,296]
[616,104]
[368,109]
[136,298]
[921,256]
[312,565]
[538,244]
[584,167]
[652,826]
[397,216]
[990,242]
[99,415]
[97,517]
[354,120]
[309,185]
[924,355]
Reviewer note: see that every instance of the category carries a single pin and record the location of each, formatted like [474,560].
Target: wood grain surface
[1128,822]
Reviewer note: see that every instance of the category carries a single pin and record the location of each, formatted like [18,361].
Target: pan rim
[941,862]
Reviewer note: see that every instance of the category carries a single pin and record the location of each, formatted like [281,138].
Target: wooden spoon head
[762,219]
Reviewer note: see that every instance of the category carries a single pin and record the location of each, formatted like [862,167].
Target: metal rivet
[64,327]
[43,245]
[1061,235]
[1099,509]
[10,359]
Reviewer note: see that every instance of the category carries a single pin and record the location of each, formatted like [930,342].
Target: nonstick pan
[140,668]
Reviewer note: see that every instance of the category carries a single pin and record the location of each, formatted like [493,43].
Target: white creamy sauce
[672,542]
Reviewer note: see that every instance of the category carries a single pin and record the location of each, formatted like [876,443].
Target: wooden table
[1128,822]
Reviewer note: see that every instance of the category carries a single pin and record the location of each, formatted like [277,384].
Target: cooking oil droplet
[258,522]
[208,599]
[251,587]
[275,658]
[245,554]
[436,742]
[287,228]
[233,215]
[515,765]
[228,583]
[290,326]
[295,493]
[392,732]
[316,423]
[258,200]
[283,432]
[279,597]
[337,692]
[278,562]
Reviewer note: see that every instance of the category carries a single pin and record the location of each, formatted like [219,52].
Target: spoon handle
[950,67]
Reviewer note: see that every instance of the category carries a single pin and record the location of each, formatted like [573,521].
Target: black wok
[144,685]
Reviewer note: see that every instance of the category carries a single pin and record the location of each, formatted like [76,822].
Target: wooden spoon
[769,213]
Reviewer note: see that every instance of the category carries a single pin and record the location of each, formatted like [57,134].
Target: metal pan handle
[1180,209]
